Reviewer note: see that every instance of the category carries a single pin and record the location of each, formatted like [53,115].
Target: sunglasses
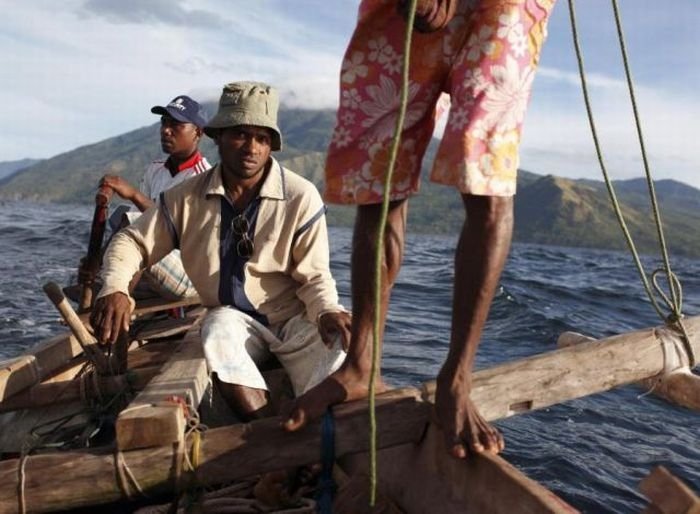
[240,227]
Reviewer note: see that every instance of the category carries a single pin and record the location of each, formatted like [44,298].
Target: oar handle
[91,264]
[85,339]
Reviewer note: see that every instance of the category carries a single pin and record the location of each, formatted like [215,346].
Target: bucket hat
[247,103]
[184,110]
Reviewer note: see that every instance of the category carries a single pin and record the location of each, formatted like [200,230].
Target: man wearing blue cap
[181,126]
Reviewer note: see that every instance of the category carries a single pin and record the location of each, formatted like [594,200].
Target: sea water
[592,452]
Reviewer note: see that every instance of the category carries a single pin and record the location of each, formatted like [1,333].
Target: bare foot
[344,385]
[465,430]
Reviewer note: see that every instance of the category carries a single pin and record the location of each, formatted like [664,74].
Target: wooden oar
[91,265]
[86,340]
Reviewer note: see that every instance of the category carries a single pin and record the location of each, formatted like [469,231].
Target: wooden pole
[575,371]
[676,383]
[91,265]
[87,342]
[73,479]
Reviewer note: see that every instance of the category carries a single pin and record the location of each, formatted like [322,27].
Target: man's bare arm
[126,191]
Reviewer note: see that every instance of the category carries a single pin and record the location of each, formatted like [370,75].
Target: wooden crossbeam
[154,418]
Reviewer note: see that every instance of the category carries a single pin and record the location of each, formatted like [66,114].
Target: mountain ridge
[548,209]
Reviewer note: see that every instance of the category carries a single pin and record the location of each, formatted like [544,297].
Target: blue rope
[326,484]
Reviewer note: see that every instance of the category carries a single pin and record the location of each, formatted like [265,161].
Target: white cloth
[158,177]
[234,343]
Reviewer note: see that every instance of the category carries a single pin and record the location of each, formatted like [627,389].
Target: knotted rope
[674,301]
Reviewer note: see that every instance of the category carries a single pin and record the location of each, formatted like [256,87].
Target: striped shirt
[158,177]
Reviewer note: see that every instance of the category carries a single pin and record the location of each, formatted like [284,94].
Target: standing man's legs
[479,260]
[351,381]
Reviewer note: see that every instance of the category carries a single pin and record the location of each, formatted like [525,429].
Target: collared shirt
[288,271]
[159,177]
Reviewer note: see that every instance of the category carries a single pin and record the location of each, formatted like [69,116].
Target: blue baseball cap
[183,109]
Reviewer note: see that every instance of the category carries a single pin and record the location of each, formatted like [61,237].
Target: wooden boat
[156,450]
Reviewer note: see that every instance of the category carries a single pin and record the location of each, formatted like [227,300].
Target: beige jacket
[288,271]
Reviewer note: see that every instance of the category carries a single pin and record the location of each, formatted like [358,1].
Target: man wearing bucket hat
[181,123]
[254,241]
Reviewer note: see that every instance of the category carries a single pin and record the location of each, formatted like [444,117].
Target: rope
[124,473]
[674,303]
[380,253]
[326,484]
[195,429]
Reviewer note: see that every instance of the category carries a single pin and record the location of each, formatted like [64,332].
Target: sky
[79,71]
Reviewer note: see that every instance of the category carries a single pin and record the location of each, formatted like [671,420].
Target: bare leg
[351,381]
[248,403]
[481,254]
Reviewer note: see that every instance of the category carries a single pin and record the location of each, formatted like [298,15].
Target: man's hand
[332,324]
[110,316]
[466,431]
[120,186]
[431,15]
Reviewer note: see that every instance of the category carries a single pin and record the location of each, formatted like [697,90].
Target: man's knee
[489,210]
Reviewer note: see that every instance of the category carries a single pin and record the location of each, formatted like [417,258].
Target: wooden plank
[16,374]
[668,495]
[37,364]
[425,478]
[146,421]
[153,305]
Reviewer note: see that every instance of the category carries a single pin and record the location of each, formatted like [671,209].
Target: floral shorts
[485,60]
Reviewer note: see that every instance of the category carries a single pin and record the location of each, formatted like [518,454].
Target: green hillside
[548,209]
[73,176]
[7,168]
[565,212]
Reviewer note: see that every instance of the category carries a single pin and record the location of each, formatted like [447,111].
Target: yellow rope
[379,255]
[674,303]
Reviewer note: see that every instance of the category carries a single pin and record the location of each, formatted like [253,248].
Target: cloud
[167,12]
[592,79]
[557,137]
[93,68]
